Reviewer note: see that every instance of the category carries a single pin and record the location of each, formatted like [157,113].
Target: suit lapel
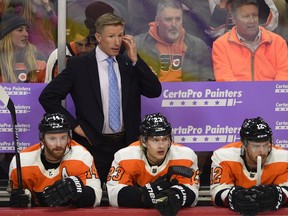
[93,74]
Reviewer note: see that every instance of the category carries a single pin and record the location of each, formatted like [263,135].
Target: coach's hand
[20,198]
[150,190]
[63,191]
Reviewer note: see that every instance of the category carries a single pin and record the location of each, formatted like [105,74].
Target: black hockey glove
[169,201]
[150,190]
[20,198]
[64,191]
[243,200]
[270,196]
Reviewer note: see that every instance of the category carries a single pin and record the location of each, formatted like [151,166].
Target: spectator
[78,11]
[196,16]
[221,20]
[49,177]
[171,53]
[82,44]
[86,79]
[42,21]
[283,20]
[79,47]
[249,52]
[234,176]
[138,176]
[19,59]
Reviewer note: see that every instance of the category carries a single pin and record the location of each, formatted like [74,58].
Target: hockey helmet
[155,125]
[255,129]
[54,123]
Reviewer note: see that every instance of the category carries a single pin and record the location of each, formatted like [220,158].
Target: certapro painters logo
[281,126]
[17,91]
[281,107]
[208,134]
[281,88]
[205,98]
[20,109]
[5,127]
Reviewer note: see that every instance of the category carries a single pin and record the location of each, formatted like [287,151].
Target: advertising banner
[208,115]
[203,115]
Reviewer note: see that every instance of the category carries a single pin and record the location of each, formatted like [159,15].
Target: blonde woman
[42,21]
[19,59]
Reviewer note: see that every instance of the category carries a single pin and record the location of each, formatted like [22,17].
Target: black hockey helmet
[155,125]
[54,123]
[255,129]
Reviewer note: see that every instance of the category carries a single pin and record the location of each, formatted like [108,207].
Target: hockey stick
[4,97]
[259,171]
[179,170]
[176,170]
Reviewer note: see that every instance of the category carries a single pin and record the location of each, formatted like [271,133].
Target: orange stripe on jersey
[228,169]
[130,167]
[36,177]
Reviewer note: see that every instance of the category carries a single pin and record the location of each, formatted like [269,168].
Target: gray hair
[168,3]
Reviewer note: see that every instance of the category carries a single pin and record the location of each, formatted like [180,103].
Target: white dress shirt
[104,86]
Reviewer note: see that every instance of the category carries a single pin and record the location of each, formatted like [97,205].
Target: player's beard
[252,158]
[54,154]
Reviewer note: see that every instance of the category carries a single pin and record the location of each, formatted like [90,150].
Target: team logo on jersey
[51,172]
[173,61]
[22,77]
[176,63]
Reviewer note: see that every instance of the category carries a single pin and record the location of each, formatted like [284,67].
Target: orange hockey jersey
[130,167]
[76,162]
[228,170]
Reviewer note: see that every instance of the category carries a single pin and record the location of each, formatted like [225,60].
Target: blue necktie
[114,98]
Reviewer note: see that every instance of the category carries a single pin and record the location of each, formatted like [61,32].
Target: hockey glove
[270,196]
[171,200]
[243,200]
[150,190]
[63,191]
[20,198]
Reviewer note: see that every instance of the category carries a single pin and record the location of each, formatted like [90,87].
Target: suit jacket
[80,78]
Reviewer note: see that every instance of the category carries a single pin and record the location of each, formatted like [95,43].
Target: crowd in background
[205,21]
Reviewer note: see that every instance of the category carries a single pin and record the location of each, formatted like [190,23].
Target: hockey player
[138,179]
[57,171]
[234,176]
